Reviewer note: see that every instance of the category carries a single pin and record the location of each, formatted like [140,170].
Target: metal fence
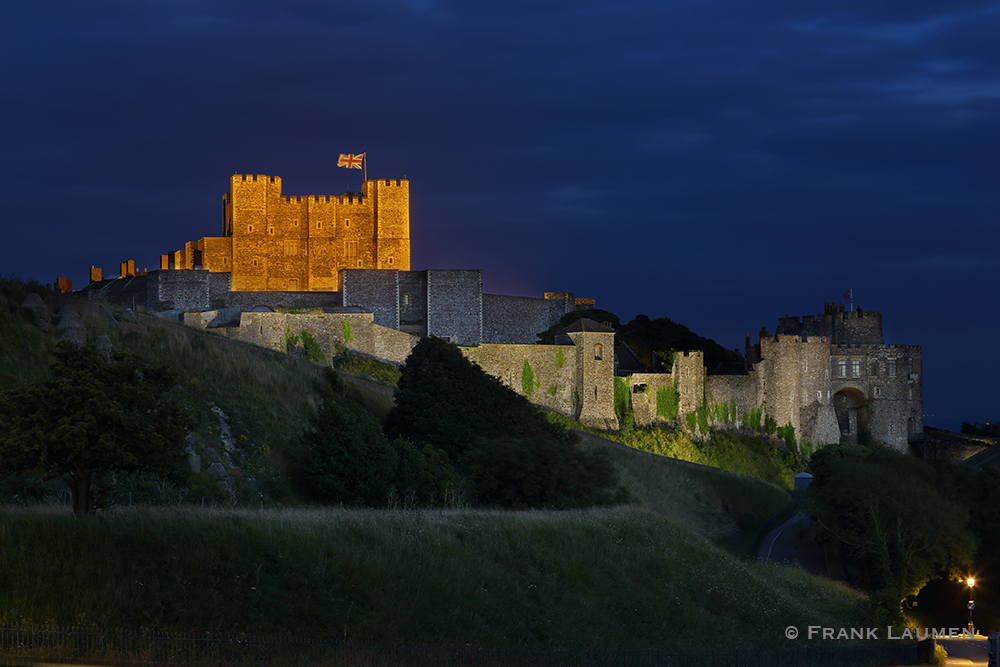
[30,645]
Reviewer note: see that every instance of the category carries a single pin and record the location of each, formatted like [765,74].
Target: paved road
[783,545]
[965,651]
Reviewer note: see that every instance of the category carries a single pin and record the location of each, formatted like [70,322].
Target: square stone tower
[276,243]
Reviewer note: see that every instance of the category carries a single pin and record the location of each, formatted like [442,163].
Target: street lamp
[972,603]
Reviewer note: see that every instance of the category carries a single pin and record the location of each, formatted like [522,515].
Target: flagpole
[364,165]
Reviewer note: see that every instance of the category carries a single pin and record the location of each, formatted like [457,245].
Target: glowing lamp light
[971,582]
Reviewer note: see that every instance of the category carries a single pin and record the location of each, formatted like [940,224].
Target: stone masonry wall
[353,331]
[184,289]
[642,390]
[274,242]
[738,389]
[893,387]
[377,291]
[250,300]
[455,305]
[552,369]
[857,327]
[518,319]
[413,302]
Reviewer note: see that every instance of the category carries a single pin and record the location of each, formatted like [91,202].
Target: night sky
[720,163]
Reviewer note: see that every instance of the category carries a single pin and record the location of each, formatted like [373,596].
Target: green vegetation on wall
[668,402]
[623,403]
[560,358]
[666,358]
[314,352]
[345,328]
[787,433]
[527,379]
[751,419]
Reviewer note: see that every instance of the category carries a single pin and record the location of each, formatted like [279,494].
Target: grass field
[610,577]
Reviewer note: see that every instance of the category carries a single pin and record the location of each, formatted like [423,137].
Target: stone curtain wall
[455,305]
[565,378]
[413,302]
[219,288]
[518,319]
[375,291]
[185,290]
[642,390]
[552,372]
[206,319]
[738,389]
[353,331]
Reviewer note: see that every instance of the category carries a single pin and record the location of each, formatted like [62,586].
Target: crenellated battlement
[808,340]
[257,178]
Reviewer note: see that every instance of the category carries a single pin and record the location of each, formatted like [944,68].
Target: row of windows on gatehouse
[852,368]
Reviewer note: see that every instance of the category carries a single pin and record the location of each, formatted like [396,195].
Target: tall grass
[727,508]
[612,577]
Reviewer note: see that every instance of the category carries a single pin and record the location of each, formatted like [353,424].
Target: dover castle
[339,268]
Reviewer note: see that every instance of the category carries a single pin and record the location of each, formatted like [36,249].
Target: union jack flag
[351,161]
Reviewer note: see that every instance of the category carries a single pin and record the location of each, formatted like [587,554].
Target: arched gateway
[849,404]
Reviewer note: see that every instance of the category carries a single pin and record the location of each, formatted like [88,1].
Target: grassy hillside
[267,399]
[613,577]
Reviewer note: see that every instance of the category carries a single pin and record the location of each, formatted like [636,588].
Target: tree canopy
[346,458]
[89,419]
[885,507]
[506,451]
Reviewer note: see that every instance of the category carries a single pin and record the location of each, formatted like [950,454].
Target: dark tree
[89,419]
[885,507]
[646,337]
[507,452]
[446,401]
[345,457]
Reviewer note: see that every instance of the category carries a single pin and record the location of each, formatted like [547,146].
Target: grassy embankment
[611,577]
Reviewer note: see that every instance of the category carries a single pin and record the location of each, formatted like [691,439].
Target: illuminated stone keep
[275,243]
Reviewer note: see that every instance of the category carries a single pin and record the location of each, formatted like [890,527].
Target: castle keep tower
[276,243]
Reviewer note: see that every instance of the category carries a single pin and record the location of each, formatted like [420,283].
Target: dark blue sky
[721,163]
